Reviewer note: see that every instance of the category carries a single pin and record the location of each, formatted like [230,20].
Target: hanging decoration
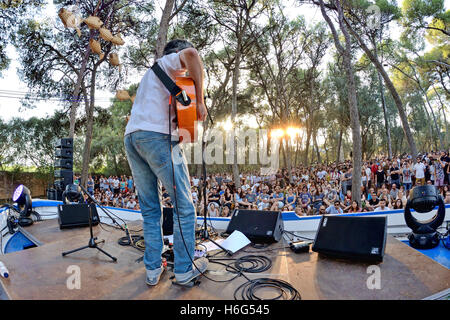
[123,95]
[70,20]
[93,22]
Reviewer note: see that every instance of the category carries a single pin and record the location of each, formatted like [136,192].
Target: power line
[32,96]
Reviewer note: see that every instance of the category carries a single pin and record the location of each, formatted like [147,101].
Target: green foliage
[31,142]
[418,13]
[108,151]
[12,13]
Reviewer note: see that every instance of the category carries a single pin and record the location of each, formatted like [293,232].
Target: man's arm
[191,61]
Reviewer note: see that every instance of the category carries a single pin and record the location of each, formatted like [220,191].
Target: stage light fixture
[22,196]
[424,199]
[72,194]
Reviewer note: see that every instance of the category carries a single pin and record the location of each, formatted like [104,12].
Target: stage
[42,273]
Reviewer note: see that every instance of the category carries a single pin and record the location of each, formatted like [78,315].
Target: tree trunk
[89,128]
[386,122]
[438,131]
[354,119]
[296,151]
[391,88]
[288,157]
[383,102]
[308,141]
[283,151]
[317,148]
[352,99]
[443,113]
[76,93]
[339,146]
[430,125]
[164,28]
[234,111]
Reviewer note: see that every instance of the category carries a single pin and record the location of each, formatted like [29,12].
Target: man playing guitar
[149,156]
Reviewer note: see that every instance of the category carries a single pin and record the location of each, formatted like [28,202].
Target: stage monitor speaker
[76,215]
[167,221]
[64,143]
[258,226]
[357,238]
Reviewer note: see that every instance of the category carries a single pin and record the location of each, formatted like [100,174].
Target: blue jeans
[149,157]
[407,186]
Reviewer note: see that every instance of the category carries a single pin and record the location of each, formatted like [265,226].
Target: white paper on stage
[235,242]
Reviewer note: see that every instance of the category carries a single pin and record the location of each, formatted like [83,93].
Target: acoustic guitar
[186,116]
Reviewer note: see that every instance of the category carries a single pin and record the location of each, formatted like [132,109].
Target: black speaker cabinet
[76,215]
[51,194]
[66,175]
[64,153]
[64,163]
[167,221]
[64,143]
[258,226]
[357,238]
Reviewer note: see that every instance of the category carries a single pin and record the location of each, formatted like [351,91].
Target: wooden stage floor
[41,272]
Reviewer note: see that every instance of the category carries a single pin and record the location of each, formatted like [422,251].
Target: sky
[12,107]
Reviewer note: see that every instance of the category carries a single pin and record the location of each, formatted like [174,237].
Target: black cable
[248,290]
[176,200]
[442,237]
[228,266]
[117,228]
[283,286]
[258,264]
[295,235]
[125,241]
[175,187]
[259,245]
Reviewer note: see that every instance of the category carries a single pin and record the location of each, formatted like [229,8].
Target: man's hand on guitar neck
[191,61]
[201,112]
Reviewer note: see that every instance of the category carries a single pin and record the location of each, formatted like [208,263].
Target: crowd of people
[307,190]
[113,191]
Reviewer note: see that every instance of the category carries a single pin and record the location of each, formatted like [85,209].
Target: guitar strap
[174,90]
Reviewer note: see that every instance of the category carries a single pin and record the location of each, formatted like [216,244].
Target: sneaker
[184,278]
[154,275]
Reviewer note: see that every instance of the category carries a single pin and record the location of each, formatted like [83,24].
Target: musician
[148,152]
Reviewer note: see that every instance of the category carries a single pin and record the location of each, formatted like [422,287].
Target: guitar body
[186,115]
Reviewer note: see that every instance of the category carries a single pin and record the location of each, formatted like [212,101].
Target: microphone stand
[205,233]
[109,215]
[92,243]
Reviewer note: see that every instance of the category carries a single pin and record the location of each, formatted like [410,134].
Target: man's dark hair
[176,45]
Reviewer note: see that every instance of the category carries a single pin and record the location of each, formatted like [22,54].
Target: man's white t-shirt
[150,108]
[419,168]
[379,209]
